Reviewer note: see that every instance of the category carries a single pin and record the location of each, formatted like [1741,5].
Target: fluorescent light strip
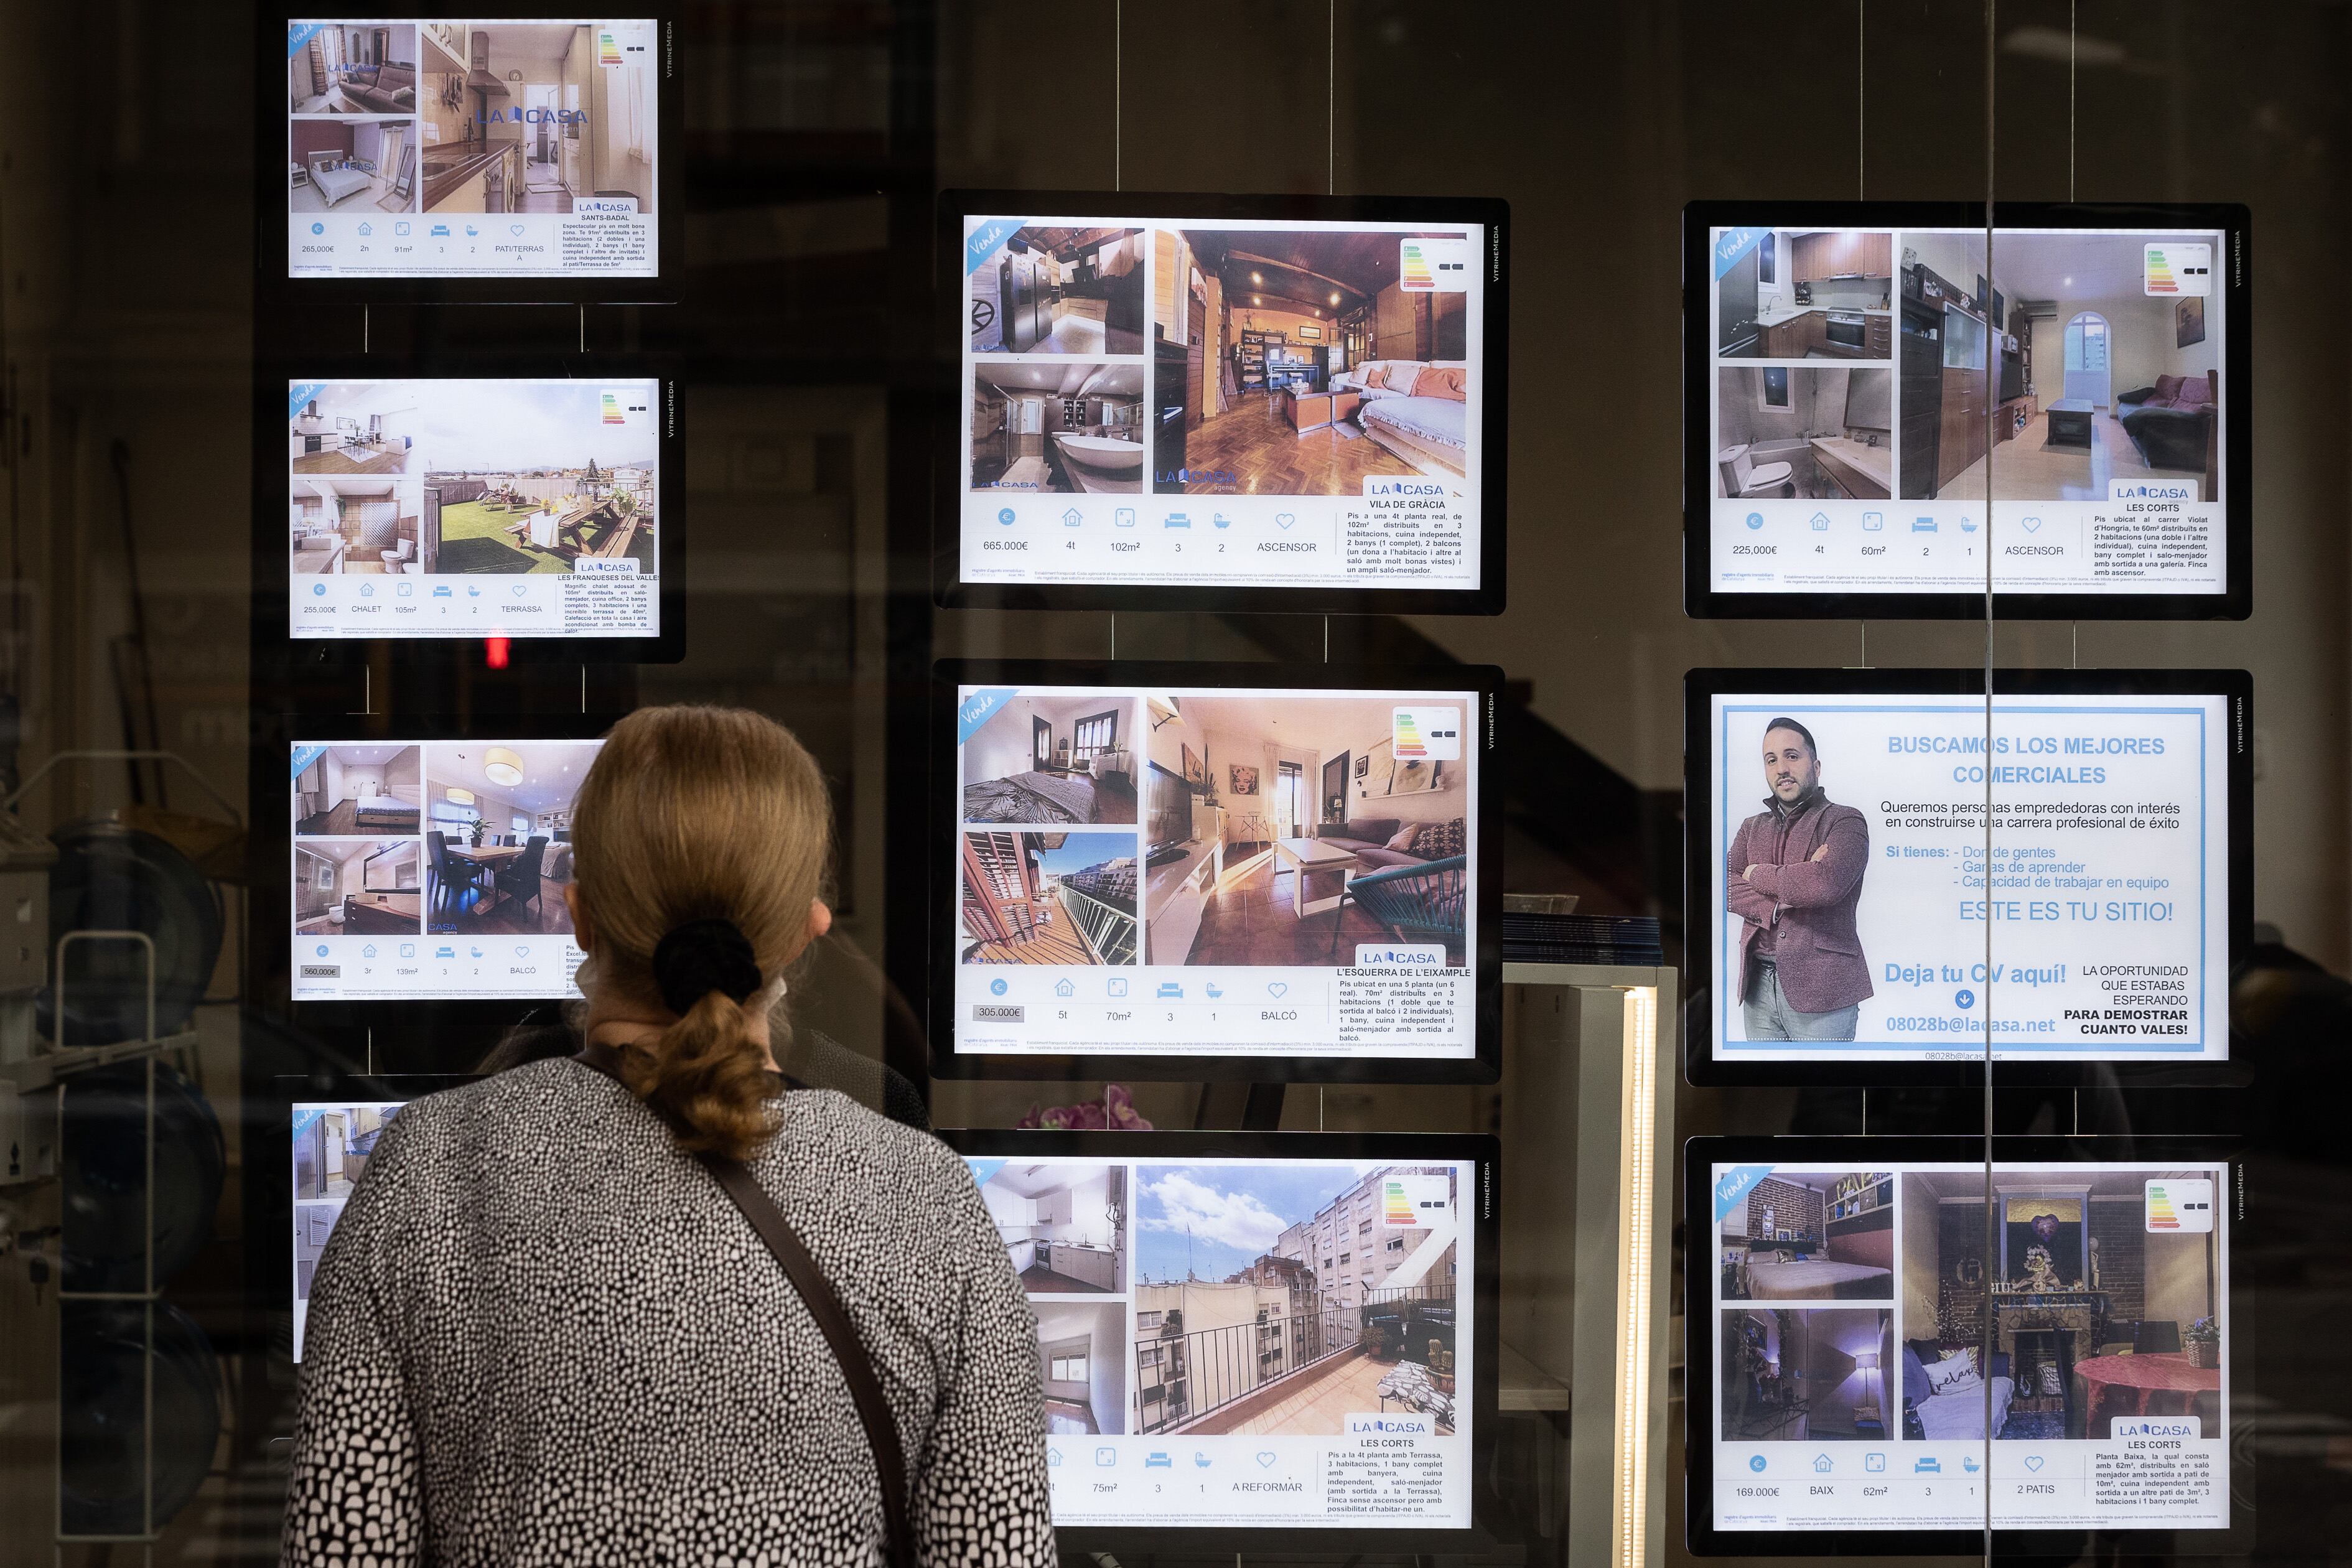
[1636,1210]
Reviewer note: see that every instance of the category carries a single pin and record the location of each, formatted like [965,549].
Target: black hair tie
[702,956]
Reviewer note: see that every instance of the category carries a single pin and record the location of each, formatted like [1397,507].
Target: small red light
[496,648]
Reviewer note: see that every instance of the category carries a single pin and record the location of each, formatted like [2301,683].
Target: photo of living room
[1062,1222]
[355,428]
[2104,1294]
[1047,897]
[351,68]
[2093,378]
[1822,433]
[1282,1299]
[346,791]
[1296,362]
[358,887]
[1082,1360]
[1060,291]
[355,525]
[1050,760]
[1817,1375]
[498,834]
[1282,830]
[530,116]
[335,165]
[1060,427]
[1812,1237]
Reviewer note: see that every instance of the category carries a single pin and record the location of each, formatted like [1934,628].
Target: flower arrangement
[1115,1111]
[2202,1340]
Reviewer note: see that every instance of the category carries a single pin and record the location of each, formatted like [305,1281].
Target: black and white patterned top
[540,1333]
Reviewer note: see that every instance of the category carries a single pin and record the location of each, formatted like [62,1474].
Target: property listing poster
[1851,1387]
[1224,871]
[1263,1343]
[2103,894]
[1231,402]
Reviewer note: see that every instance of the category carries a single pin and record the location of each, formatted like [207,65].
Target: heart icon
[2034,1461]
[2032,524]
[1284,519]
[522,949]
[1265,1461]
[517,589]
[1277,990]
[515,229]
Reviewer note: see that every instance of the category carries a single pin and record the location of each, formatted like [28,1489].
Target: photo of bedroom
[1807,1374]
[354,525]
[1060,291]
[498,834]
[2093,378]
[1282,1299]
[1806,293]
[351,68]
[336,165]
[1053,760]
[1282,830]
[2104,1295]
[1812,1237]
[1062,1222]
[529,116]
[1082,1358]
[1800,431]
[358,887]
[355,428]
[1296,362]
[1047,897]
[345,791]
[1059,427]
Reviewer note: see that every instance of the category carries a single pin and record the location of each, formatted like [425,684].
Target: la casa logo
[1197,476]
[521,116]
[1401,488]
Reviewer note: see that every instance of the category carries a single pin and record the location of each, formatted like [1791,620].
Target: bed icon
[1178,520]
[440,231]
[442,591]
[1923,525]
[1930,1465]
[1170,992]
[1157,1460]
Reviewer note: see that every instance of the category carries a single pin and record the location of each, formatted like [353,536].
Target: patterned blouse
[542,1333]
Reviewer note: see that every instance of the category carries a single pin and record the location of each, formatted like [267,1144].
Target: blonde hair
[699,814]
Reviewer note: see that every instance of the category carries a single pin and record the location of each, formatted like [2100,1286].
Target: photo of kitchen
[1059,426]
[1296,362]
[531,116]
[2090,379]
[1060,291]
[1808,432]
[351,68]
[355,428]
[358,887]
[1063,1223]
[1797,294]
[498,834]
[339,166]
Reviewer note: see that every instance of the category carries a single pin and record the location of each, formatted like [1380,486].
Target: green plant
[2204,1330]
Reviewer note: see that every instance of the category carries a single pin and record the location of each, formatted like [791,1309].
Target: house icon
[1822,1466]
[1063,988]
[1072,518]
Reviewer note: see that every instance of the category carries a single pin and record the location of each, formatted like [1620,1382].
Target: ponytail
[701,840]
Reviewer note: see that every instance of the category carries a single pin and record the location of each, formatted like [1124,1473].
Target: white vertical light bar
[1636,1214]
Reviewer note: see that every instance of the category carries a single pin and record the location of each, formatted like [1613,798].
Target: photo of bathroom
[1060,291]
[1796,432]
[1058,428]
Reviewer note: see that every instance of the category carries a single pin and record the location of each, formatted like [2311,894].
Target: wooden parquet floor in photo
[1254,443]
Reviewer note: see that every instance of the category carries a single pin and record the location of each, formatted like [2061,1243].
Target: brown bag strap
[817,1292]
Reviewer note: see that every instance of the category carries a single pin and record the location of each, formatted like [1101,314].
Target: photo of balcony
[1281,1298]
[1048,898]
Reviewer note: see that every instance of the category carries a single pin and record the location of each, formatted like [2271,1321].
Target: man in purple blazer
[1794,876]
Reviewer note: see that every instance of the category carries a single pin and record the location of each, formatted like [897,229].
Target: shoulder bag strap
[817,1292]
